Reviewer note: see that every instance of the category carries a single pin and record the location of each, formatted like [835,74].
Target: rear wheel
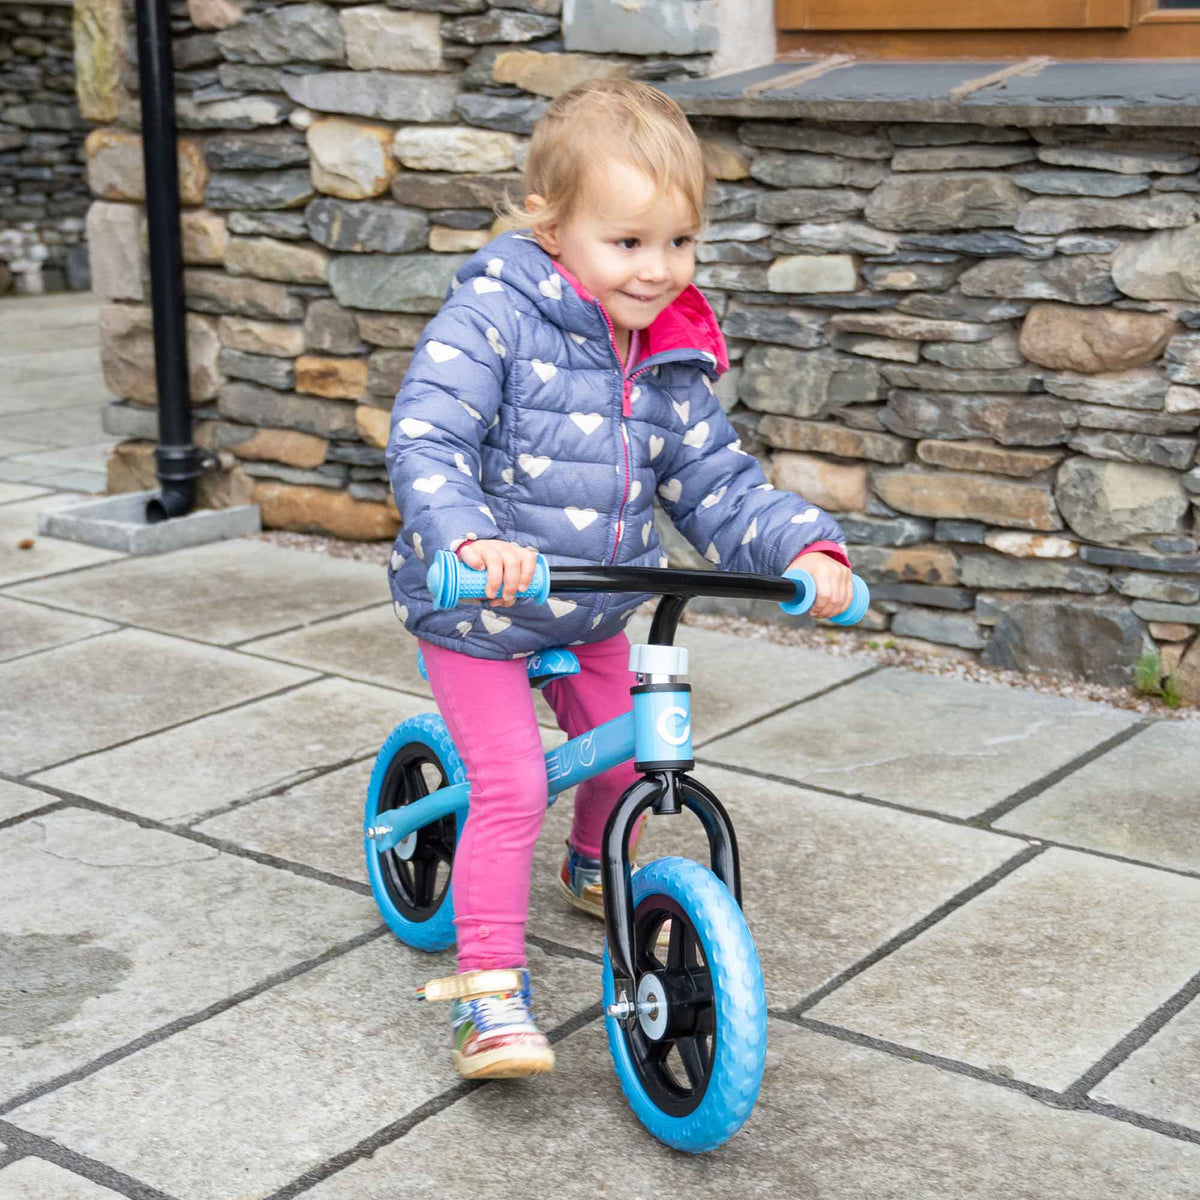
[411,882]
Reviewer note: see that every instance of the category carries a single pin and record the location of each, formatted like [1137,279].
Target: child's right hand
[509,567]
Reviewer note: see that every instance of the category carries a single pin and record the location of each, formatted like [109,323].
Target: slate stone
[664,27]
[989,243]
[217,292]
[516,114]
[386,370]
[816,170]
[463,218]
[1080,183]
[288,226]
[1139,560]
[1085,244]
[1183,614]
[1138,387]
[259,189]
[805,331]
[1000,572]
[916,133]
[732,202]
[733,252]
[258,368]
[383,94]
[798,136]
[390,284]
[944,379]
[805,383]
[907,272]
[1166,211]
[239,78]
[1010,419]
[846,300]
[1079,279]
[995,354]
[967,533]
[295,32]
[889,349]
[264,151]
[1099,642]
[499,26]
[733,276]
[1126,161]
[432,189]
[804,204]
[254,405]
[1113,502]
[1164,266]
[836,237]
[1143,585]
[959,599]
[944,200]
[944,628]
[950,306]
[885,531]
[331,329]
[363,226]
[1176,453]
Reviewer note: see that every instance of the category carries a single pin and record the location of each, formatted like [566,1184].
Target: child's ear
[546,234]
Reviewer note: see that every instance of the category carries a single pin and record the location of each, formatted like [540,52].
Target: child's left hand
[834,589]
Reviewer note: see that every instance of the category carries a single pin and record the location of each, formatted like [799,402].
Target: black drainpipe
[178,460]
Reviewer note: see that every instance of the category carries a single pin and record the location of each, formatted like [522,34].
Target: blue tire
[689,1097]
[413,893]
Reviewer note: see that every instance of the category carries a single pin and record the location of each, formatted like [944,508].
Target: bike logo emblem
[663,725]
[578,753]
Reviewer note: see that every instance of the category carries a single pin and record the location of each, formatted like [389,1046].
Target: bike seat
[543,667]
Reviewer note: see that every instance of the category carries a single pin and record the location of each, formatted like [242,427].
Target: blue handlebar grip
[806,594]
[451,581]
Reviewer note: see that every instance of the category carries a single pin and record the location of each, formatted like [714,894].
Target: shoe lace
[508,1008]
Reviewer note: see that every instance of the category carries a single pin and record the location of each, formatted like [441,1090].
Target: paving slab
[941,744]
[1137,800]
[1039,976]
[156,927]
[10,492]
[230,757]
[1159,1078]
[824,880]
[10,446]
[25,628]
[222,593]
[92,457]
[47,556]
[15,799]
[36,1179]
[63,391]
[834,1121]
[119,686]
[38,365]
[287,1079]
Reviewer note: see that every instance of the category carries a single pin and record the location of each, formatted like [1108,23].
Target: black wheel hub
[418,882]
[675,1068]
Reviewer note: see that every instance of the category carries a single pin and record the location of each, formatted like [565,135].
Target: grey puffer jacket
[516,421]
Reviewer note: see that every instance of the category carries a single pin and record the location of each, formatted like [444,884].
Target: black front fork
[666,791]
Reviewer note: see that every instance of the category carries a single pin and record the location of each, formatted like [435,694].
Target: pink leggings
[488,707]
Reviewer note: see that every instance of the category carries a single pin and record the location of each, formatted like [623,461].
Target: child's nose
[654,268]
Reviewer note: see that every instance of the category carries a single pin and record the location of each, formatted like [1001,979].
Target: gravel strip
[871,647]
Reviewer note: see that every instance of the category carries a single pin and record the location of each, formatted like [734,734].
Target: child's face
[635,251]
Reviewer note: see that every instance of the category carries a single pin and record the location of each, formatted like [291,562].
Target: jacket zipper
[626,389]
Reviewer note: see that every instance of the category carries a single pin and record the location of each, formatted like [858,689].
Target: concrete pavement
[976,909]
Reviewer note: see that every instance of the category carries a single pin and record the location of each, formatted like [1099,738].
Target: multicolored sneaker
[494,1032]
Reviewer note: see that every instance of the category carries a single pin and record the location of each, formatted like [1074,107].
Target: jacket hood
[688,323]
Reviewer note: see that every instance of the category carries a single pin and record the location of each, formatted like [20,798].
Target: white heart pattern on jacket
[473,411]
[579,339]
[656,445]
[551,288]
[807,517]
[597,619]
[483,285]
[401,610]
[649,525]
[487,512]
[429,484]
[463,628]
[420,553]
[545,371]
[712,554]
[634,396]
[588,422]
[682,410]
[494,267]
[696,436]
[635,490]
[708,384]
[736,447]
[714,497]
[413,428]
[507,475]
[751,533]
[581,518]
[533,467]
[493,340]
[671,490]
[461,463]
[560,608]
[397,560]
[494,622]
[440,352]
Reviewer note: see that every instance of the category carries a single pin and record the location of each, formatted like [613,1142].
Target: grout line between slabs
[33,1145]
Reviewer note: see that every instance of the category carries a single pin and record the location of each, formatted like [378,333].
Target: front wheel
[691,1062]
[411,882]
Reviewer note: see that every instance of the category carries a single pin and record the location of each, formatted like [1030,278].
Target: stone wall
[973,343]
[43,193]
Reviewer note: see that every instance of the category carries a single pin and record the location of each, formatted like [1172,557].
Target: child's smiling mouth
[643,299]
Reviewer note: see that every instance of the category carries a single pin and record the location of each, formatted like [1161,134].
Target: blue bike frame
[581,758]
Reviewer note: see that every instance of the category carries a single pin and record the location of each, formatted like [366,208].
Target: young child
[567,379]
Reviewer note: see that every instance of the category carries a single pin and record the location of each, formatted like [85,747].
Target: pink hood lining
[687,323]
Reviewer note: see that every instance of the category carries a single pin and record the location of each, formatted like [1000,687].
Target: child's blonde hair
[605,119]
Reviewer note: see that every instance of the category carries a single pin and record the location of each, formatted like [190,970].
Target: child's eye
[685,240]
[628,243]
